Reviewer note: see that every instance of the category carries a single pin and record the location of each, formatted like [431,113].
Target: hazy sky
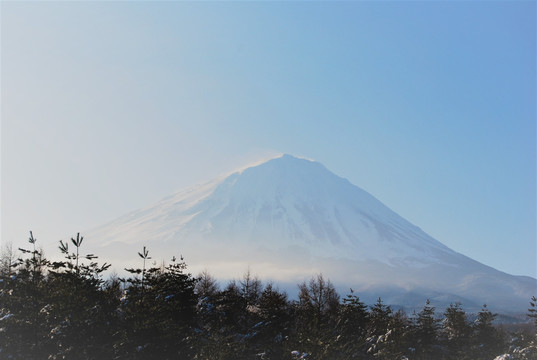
[429,106]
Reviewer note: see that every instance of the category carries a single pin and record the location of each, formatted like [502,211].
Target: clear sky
[107,107]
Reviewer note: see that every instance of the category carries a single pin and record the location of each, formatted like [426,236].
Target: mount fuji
[289,218]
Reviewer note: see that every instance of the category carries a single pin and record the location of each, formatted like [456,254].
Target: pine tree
[456,333]
[532,312]
[226,326]
[487,340]
[22,297]
[250,288]
[351,327]
[394,344]
[379,317]
[425,332]
[159,312]
[80,312]
[173,308]
[274,327]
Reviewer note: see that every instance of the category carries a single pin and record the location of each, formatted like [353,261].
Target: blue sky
[429,106]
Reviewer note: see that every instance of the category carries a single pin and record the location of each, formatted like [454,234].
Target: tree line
[69,310]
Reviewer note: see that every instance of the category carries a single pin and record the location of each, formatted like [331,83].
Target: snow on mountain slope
[287,219]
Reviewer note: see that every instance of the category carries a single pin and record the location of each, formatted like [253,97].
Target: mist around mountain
[289,218]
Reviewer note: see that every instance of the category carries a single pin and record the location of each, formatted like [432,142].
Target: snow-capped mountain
[288,219]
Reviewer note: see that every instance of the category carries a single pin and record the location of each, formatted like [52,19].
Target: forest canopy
[69,310]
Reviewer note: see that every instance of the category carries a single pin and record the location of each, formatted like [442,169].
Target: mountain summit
[289,218]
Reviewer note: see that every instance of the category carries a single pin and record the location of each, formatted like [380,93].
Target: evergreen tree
[208,292]
[23,296]
[487,340]
[532,312]
[80,313]
[456,333]
[250,288]
[351,326]
[425,332]
[56,310]
[173,307]
[225,331]
[528,348]
[523,345]
[159,312]
[379,317]
[274,327]
[394,344]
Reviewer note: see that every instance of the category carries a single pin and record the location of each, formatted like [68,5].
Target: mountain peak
[294,157]
[286,159]
[287,166]
[279,160]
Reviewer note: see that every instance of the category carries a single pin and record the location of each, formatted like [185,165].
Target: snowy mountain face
[288,219]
